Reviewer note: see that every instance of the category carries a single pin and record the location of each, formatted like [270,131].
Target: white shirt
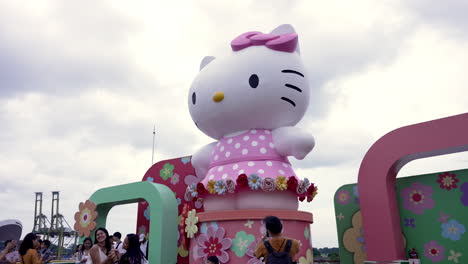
[143,247]
[119,247]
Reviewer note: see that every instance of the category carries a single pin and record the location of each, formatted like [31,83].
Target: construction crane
[57,229]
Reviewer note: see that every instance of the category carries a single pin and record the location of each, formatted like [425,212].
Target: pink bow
[284,42]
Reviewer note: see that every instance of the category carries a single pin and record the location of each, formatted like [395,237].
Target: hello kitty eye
[253,80]
[194,98]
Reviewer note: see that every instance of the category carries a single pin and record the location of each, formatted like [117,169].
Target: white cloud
[83,84]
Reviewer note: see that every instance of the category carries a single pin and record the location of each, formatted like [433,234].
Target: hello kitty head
[261,84]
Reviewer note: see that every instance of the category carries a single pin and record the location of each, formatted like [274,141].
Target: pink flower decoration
[213,243]
[417,198]
[230,186]
[251,252]
[448,181]
[268,184]
[343,197]
[434,251]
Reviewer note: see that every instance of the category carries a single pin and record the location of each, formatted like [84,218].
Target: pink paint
[238,225]
[379,168]
[184,172]
[251,152]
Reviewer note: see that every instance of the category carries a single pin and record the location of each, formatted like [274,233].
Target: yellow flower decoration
[182,251]
[308,259]
[281,183]
[351,239]
[210,187]
[84,218]
[191,221]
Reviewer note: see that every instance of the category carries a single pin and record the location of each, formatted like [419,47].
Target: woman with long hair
[27,250]
[84,251]
[133,254]
[101,252]
[77,254]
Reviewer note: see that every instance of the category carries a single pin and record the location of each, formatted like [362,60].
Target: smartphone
[267,234]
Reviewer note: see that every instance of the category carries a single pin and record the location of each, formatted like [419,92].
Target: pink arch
[378,171]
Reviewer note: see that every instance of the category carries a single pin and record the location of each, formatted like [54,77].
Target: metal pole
[152,154]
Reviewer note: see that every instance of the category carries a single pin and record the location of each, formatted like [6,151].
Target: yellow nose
[218,97]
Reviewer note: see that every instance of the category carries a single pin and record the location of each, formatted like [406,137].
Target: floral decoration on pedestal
[213,243]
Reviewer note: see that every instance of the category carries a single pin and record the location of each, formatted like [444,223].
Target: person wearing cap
[144,245]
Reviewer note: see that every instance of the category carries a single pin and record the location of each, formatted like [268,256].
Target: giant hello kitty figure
[250,102]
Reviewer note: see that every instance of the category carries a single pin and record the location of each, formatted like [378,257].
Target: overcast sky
[83,82]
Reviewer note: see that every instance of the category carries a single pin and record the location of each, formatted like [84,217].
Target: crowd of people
[111,249]
[106,249]
[31,251]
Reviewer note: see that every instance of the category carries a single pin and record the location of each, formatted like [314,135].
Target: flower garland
[303,188]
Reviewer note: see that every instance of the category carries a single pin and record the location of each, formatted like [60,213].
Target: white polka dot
[245,151]
[241,171]
[267,132]
[212,152]
[261,171]
[221,149]
[220,168]
[253,131]
[285,165]
[237,145]
[269,163]
[281,171]
[262,137]
[224,176]
[272,145]
[254,143]
[251,163]
[235,167]
[227,154]
[246,138]
[219,143]
[211,177]
[229,141]
[216,157]
[263,150]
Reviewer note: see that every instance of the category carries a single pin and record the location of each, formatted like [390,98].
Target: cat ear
[285,29]
[205,61]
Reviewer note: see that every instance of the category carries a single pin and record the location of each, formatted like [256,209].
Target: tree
[316,252]
[333,255]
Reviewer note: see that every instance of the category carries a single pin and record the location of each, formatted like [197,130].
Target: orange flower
[85,218]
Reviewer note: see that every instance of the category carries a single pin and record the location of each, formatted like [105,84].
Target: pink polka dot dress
[251,152]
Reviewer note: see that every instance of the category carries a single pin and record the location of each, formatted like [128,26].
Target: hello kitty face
[255,86]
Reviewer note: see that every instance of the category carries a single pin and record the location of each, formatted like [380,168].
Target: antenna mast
[152,154]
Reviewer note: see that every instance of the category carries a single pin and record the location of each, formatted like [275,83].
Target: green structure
[433,210]
[163,225]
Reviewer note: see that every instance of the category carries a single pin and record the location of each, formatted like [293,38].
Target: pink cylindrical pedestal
[233,235]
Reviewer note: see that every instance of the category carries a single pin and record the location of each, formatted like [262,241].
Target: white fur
[244,107]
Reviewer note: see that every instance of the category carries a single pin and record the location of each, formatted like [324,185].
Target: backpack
[278,257]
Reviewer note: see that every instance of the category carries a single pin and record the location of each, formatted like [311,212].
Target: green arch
[163,224]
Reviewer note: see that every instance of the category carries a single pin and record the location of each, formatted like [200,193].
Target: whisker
[293,87]
[293,71]
[289,101]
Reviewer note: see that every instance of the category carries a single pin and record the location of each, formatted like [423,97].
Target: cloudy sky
[83,82]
